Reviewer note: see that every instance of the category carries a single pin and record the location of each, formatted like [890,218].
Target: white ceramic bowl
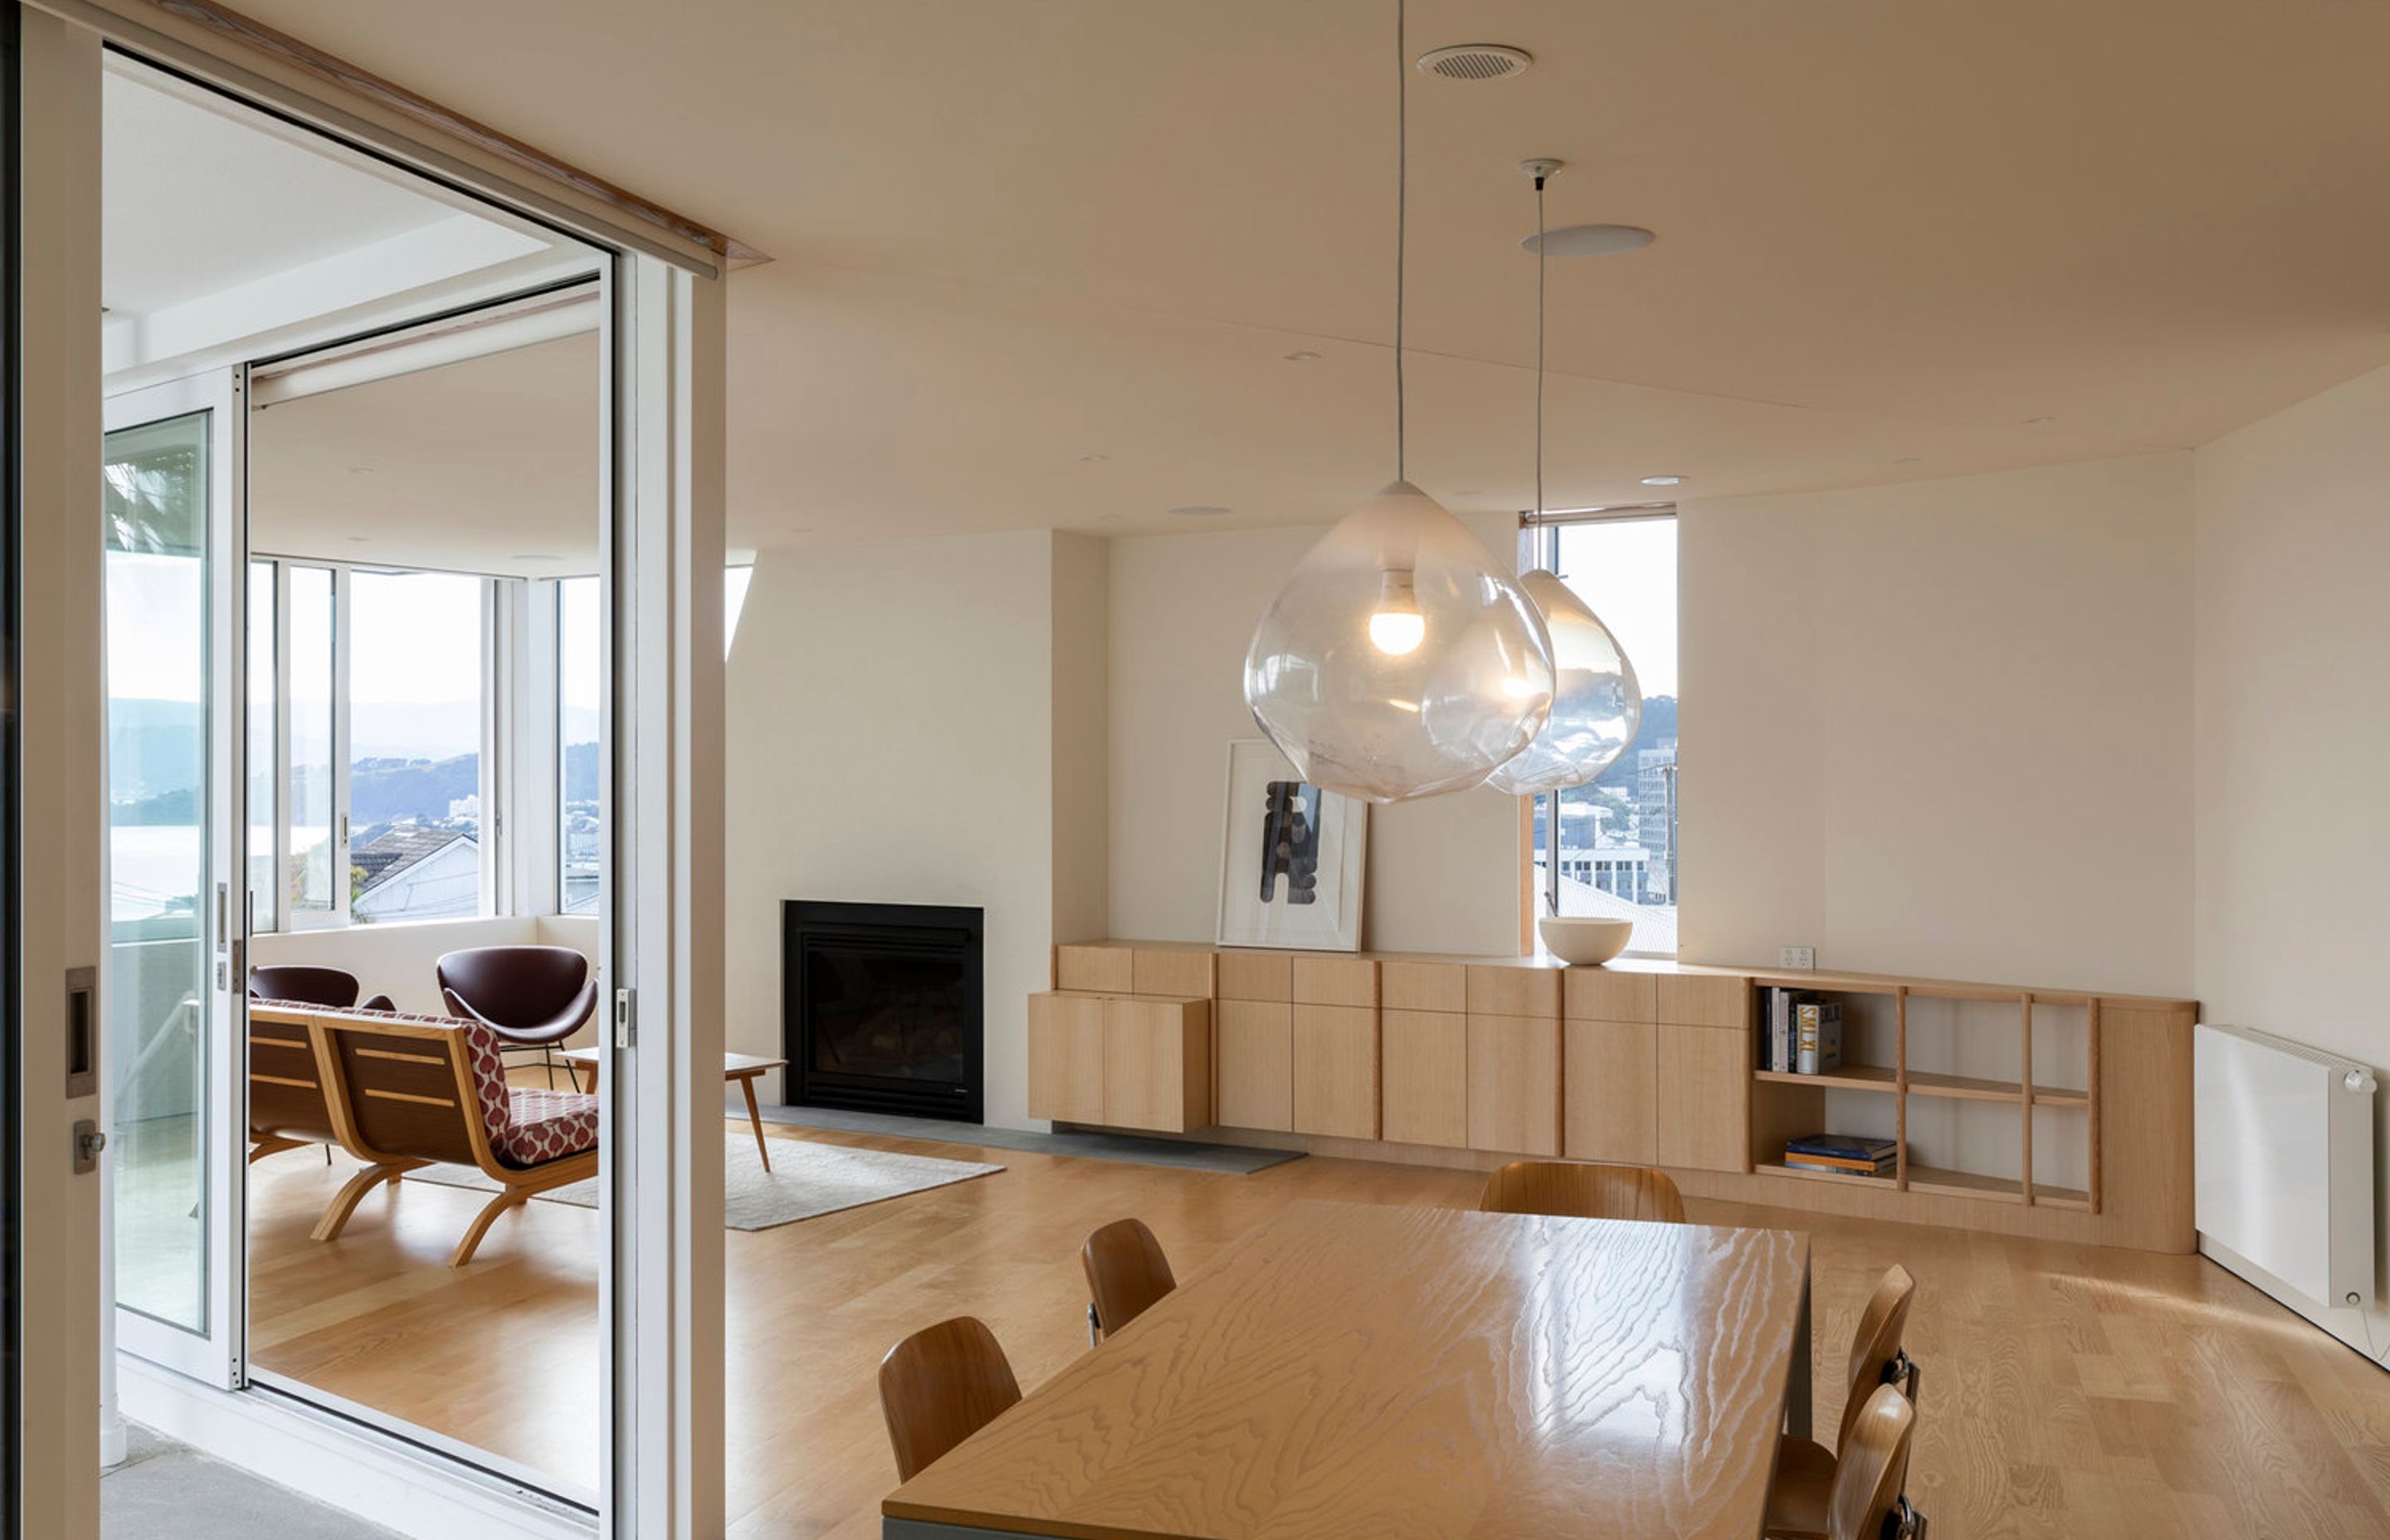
[1585,940]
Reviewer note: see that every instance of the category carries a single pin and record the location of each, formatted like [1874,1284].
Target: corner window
[1611,847]
[370,731]
[577,700]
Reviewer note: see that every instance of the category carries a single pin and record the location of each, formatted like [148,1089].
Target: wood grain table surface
[1365,1371]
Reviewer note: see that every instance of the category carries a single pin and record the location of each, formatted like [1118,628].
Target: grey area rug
[806,1181]
[1178,1154]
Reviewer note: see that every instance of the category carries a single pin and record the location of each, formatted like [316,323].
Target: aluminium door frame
[662,513]
[215,1355]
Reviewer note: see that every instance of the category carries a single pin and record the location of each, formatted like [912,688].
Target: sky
[1626,571]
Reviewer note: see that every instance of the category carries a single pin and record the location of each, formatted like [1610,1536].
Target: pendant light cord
[1402,212]
[1539,345]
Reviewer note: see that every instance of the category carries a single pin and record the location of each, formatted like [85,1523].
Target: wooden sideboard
[1472,1062]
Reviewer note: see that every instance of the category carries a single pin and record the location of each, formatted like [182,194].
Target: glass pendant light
[1597,705]
[1400,660]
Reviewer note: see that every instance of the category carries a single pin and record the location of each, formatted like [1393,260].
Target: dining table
[1359,1372]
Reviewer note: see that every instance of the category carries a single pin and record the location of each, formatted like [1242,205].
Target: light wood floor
[2068,1391]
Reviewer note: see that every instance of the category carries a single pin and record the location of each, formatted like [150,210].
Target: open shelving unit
[1922,1068]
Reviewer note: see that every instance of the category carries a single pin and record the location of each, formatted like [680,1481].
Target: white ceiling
[193,203]
[1890,234]
[485,466]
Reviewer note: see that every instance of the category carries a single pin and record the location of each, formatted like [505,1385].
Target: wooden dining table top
[1364,1371]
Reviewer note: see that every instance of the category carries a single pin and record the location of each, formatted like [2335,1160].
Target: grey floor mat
[1230,1159]
[166,1491]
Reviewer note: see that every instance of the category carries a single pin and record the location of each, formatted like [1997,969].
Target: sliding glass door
[174,590]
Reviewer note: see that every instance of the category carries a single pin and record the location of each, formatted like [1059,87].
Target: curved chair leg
[273,1145]
[352,1192]
[482,1223]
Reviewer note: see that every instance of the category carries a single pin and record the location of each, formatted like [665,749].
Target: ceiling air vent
[1476,61]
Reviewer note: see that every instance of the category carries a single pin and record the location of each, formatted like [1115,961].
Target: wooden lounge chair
[410,1091]
[287,1108]
[287,1105]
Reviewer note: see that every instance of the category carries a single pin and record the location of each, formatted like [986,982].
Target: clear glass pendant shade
[1399,660]
[1597,705]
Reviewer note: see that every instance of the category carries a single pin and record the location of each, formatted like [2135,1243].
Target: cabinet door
[1157,1064]
[1611,1081]
[1704,1097]
[1336,1070]
[1426,1080]
[1066,1058]
[1257,1064]
[1514,1084]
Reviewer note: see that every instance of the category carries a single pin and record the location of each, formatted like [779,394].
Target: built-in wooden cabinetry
[1104,1052]
[2000,1099]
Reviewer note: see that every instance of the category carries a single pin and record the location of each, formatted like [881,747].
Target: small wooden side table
[742,1067]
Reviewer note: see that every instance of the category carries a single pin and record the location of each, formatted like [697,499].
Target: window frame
[1540,546]
[509,705]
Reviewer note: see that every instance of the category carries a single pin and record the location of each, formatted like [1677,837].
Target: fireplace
[881,1008]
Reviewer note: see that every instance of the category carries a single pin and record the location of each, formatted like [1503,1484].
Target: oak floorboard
[2069,1391]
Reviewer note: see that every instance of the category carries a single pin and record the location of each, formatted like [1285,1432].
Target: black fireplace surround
[881,1007]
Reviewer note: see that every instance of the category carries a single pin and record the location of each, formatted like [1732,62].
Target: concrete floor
[164,1491]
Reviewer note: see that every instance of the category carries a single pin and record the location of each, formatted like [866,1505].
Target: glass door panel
[167,482]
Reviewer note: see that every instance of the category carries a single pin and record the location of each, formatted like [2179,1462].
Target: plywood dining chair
[1868,1501]
[1806,1472]
[1127,1272]
[940,1386]
[1575,1189]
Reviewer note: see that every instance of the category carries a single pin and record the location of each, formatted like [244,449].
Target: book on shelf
[1817,1037]
[1801,1033]
[1850,1154]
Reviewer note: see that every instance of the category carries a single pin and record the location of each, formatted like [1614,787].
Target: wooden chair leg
[352,1192]
[274,1146]
[511,1197]
[755,1122]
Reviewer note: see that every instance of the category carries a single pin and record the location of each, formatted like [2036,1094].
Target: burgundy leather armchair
[534,998]
[332,988]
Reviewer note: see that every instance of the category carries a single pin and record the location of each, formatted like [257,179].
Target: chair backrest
[1577,1190]
[1127,1272]
[333,988]
[1875,1346]
[940,1386]
[526,988]
[287,1099]
[1871,1468]
[416,1088]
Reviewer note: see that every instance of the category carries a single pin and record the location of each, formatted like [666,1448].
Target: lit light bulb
[1397,626]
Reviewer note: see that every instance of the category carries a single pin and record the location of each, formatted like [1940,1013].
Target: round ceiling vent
[1476,61]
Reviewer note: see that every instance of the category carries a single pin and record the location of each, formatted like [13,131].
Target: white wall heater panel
[2284,1156]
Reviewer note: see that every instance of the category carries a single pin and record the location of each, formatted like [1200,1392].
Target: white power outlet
[1803,957]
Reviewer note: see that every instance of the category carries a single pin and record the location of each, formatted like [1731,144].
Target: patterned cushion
[546,1125]
[528,1124]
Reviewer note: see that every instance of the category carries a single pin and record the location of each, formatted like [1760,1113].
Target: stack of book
[1846,1153]
[1800,1032]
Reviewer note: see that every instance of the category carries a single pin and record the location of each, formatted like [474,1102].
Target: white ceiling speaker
[1476,61]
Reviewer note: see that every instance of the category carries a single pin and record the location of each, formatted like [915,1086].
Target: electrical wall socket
[1796,956]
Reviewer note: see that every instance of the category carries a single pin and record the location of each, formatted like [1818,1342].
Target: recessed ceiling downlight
[1476,61]
[1588,240]
[1665,480]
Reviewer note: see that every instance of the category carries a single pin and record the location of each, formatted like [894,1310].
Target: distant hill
[155,748]
[1659,724]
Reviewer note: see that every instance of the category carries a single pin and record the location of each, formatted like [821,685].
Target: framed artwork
[1291,856]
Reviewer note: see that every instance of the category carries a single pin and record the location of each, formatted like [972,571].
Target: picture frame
[1293,856]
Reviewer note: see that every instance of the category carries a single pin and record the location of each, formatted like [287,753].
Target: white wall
[1944,728]
[397,959]
[2292,738]
[1443,874]
[893,736]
